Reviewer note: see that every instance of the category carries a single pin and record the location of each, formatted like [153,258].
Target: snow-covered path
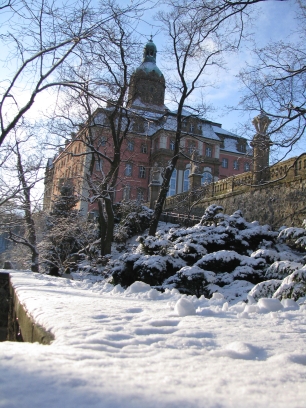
[131,349]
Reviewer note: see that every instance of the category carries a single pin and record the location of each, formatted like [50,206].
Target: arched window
[186,180]
[172,186]
[206,176]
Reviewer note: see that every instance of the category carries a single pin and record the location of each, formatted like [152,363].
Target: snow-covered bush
[294,237]
[223,253]
[281,269]
[293,286]
[265,289]
[134,219]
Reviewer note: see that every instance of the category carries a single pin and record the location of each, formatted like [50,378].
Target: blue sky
[273,21]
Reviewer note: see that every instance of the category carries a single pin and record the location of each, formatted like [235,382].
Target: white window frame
[208,151]
[130,145]
[142,172]
[128,171]
[224,164]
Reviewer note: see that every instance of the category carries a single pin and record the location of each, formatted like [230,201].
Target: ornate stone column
[261,149]
[195,175]
[154,185]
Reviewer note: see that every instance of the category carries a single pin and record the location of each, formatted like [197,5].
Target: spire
[149,52]
[147,82]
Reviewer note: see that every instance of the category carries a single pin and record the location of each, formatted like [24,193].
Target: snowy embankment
[143,348]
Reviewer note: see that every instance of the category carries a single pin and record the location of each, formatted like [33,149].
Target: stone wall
[282,201]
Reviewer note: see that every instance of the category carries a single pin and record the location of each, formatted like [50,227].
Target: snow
[221,131]
[230,145]
[184,307]
[141,348]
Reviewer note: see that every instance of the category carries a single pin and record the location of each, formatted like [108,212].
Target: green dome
[149,52]
[149,59]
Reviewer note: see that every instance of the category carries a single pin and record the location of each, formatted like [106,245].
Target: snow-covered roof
[230,145]
[221,131]
[208,131]
[148,67]
[137,103]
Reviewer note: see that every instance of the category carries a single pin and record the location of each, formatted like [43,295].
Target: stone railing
[281,172]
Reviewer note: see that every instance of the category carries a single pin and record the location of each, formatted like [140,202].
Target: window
[224,163]
[184,123]
[208,152]
[128,169]
[200,127]
[126,193]
[206,177]
[156,144]
[241,148]
[138,126]
[140,194]
[143,148]
[142,172]
[191,147]
[246,166]
[99,165]
[186,180]
[172,144]
[236,165]
[172,185]
[131,145]
[191,128]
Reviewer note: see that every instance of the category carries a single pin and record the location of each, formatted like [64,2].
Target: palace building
[147,146]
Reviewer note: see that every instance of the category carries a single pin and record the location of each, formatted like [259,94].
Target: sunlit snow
[143,348]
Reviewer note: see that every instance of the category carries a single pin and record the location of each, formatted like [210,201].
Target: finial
[261,122]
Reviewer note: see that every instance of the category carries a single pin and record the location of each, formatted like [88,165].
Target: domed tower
[261,149]
[147,82]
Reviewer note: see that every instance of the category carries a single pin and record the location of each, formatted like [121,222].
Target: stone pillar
[153,191]
[261,149]
[194,181]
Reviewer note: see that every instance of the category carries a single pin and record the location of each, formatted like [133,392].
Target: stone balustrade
[285,171]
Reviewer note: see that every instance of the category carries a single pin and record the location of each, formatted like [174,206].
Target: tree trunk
[110,225]
[103,226]
[29,220]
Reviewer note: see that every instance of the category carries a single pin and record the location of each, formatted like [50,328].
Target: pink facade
[148,146]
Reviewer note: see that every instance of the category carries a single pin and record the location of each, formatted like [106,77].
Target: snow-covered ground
[143,348]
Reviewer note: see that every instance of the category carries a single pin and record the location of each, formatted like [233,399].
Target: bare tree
[276,85]
[40,37]
[198,34]
[99,102]
[20,173]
